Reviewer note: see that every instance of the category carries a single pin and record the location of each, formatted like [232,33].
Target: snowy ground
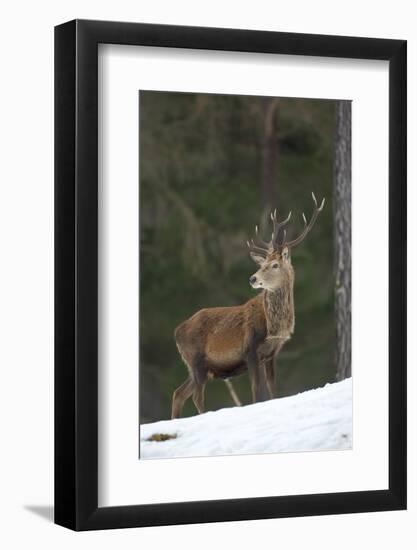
[315,420]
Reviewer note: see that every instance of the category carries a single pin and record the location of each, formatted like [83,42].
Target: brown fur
[223,342]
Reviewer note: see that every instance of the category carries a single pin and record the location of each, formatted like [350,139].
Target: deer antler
[262,247]
[276,227]
[307,226]
[258,249]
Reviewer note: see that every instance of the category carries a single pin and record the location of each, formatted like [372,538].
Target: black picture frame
[76,271]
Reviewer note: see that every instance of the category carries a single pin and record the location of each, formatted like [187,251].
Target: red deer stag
[223,342]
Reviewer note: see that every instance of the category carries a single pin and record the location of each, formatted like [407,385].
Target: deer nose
[252,280]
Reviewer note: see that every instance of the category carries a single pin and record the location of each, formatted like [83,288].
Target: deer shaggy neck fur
[279,310]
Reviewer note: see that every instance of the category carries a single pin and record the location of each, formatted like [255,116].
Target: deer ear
[285,254]
[257,258]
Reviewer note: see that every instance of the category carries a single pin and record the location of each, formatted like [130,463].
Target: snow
[315,420]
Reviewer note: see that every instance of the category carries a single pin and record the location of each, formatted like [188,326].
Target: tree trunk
[269,150]
[342,214]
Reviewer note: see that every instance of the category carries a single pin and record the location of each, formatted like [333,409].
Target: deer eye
[275,266]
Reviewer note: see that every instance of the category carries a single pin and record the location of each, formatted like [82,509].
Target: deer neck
[279,311]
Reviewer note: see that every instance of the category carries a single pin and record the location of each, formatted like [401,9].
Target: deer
[224,342]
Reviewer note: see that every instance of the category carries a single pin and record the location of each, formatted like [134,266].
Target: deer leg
[256,378]
[180,396]
[270,377]
[232,392]
[198,397]
[256,373]
[199,374]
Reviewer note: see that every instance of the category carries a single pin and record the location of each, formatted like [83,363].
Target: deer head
[274,257]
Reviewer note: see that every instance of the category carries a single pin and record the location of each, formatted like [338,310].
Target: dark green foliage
[200,172]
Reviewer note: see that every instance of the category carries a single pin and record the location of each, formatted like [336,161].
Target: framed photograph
[230,284]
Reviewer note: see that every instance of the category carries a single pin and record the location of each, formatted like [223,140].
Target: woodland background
[211,168]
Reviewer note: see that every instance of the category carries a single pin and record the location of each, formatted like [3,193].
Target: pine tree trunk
[342,213]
